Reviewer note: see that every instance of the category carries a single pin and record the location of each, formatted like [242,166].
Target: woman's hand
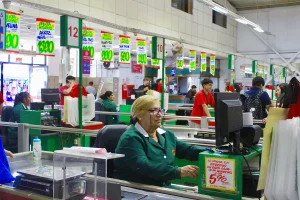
[264,121]
[9,153]
[189,170]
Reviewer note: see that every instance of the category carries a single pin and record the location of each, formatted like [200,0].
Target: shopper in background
[146,85]
[216,90]
[237,88]
[202,100]
[66,89]
[281,91]
[22,102]
[228,87]
[110,106]
[256,100]
[192,92]
[90,88]
[150,151]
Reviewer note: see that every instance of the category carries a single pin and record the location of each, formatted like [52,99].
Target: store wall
[153,15]
[281,23]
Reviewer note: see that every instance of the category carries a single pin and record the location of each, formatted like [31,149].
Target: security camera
[6,3]
[29,27]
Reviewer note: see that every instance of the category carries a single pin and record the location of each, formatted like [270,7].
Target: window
[219,19]
[183,5]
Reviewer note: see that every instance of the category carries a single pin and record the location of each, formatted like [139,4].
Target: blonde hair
[142,105]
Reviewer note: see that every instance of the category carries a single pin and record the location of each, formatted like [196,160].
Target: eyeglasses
[157,111]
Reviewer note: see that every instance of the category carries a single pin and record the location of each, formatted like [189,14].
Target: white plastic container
[37,149]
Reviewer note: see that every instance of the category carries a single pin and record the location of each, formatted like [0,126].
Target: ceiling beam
[262,5]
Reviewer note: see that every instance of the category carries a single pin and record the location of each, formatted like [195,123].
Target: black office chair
[108,138]
[99,117]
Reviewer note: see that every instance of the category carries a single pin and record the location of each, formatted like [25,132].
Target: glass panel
[38,80]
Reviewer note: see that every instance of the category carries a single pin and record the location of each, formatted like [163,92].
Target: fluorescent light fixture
[56,36]
[242,21]
[220,9]
[258,29]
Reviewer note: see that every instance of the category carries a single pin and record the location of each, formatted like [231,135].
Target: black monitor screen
[229,116]
[50,96]
[138,93]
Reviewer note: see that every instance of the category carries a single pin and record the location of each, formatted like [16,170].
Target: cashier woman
[150,150]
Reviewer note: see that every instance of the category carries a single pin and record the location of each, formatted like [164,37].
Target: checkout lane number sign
[220,174]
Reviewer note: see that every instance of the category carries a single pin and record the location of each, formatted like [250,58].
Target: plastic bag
[6,176]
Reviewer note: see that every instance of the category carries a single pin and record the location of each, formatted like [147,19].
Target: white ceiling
[260,4]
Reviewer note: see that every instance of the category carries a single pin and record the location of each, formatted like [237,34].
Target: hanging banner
[180,61]
[124,52]
[212,64]
[88,41]
[155,63]
[141,52]
[231,61]
[12,31]
[262,71]
[192,60]
[203,62]
[107,52]
[283,74]
[254,70]
[45,30]
[2,29]
[86,63]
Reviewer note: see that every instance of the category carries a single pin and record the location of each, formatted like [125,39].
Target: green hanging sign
[180,61]
[212,64]
[107,52]
[283,74]
[203,62]
[88,41]
[12,37]
[192,60]
[141,52]
[124,53]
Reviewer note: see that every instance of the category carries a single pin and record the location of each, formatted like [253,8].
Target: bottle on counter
[37,149]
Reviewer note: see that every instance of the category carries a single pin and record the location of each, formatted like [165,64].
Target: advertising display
[45,30]
[124,51]
[141,52]
[203,62]
[107,52]
[192,60]
[88,41]
[212,64]
[180,61]
[12,31]
[220,174]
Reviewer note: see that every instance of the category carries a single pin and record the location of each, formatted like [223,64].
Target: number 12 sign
[70,31]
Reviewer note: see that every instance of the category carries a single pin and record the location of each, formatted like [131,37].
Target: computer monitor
[37,106]
[138,93]
[50,96]
[229,119]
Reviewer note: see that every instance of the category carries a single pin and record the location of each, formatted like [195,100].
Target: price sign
[12,31]
[158,47]
[155,63]
[192,60]
[220,174]
[45,36]
[231,62]
[141,52]
[124,53]
[212,64]
[2,29]
[88,41]
[179,63]
[71,31]
[107,53]
[203,62]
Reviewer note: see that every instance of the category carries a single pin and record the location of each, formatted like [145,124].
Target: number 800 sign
[71,30]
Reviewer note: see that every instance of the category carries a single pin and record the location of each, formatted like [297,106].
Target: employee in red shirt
[66,89]
[202,100]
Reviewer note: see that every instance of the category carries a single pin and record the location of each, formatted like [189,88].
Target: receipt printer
[250,135]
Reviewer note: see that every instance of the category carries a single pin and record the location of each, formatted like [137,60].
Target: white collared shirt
[142,130]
